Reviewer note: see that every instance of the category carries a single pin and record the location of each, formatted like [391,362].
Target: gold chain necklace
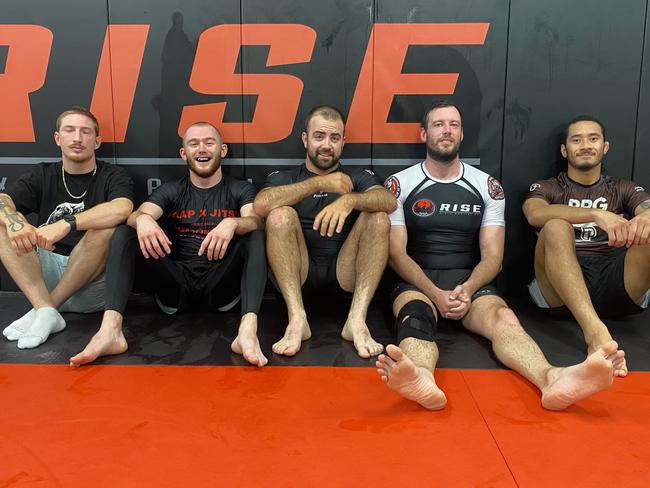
[66,186]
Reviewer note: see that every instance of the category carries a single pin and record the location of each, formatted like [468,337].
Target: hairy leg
[490,317]
[359,267]
[408,369]
[287,254]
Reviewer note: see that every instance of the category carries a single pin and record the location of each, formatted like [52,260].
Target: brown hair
[439,104]
[325,111]
[77,110]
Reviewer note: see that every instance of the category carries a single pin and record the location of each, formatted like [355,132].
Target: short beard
[442,157]
[585,166]
[313,157]
[204,172]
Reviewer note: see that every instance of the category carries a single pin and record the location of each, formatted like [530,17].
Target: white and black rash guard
[443,217]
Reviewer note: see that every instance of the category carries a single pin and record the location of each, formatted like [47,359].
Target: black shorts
[321,280]
[186,284]
[445,279]
[605,280]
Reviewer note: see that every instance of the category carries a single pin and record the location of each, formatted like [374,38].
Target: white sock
[18,327]
[47,321]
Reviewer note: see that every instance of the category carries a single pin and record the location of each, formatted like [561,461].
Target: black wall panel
[78,37]
[342,29]
[481,77]
[77,42]
[541,64]
[163,89]
[642,154]
[565,59]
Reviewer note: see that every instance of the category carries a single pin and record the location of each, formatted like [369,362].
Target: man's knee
[376,222]
[98,237]
[555,230]
[281,218]
[416,319]
[506,319]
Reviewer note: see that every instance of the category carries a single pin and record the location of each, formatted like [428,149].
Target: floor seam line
[487,425]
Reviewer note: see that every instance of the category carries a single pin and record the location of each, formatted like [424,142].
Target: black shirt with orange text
[193,212]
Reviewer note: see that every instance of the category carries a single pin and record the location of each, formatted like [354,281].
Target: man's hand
[639,230]
[48,235]
[23,237]
[332,218]
[464,295]
[452,304]
[217,240]
[154,243]
[617,227]
[336,182]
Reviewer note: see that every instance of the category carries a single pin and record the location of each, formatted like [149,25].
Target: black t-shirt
[41,191]
[192,212]
[308,208]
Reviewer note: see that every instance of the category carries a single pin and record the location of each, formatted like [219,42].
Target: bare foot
[598,341]
[105,342]
[411,381]
[618,360]
[569,385]
[620,365]
[290,343]
[246,342]
[365,345]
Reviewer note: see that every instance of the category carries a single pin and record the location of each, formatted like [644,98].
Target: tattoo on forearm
[645,205]
[15,221]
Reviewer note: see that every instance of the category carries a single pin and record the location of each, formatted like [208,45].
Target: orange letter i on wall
[117,78]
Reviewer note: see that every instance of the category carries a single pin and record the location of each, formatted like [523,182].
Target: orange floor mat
[135,426]
[605,437]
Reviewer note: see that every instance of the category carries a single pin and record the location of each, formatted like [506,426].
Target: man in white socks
[59,264]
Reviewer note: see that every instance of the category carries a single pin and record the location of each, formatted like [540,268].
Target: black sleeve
[244,193]
[119,184]
[278,178]
[363,179]
[27,190]
[164,196]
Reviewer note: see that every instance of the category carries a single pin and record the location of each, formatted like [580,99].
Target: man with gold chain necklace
[59,264]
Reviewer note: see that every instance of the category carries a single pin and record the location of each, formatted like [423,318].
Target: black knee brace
[416,319]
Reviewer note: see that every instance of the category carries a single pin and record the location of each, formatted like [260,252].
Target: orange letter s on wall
[278,94]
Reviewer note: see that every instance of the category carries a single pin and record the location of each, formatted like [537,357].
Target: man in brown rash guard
[592,255]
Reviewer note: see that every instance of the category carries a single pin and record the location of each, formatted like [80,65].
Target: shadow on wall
[176,66]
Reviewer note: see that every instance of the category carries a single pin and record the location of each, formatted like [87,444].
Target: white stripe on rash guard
[404,182]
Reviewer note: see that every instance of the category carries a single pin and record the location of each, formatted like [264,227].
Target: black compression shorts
[445,279]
